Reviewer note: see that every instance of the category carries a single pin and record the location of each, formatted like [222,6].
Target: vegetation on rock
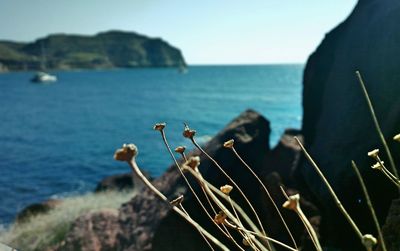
[104,50]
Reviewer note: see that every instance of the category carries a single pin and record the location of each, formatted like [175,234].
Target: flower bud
[369,240]
[180,149]
[126,153]
[220,217]
[193,162]
[292,203]
[187,132]
[397,137]
[159,126]
[226,189]
[245,241]
[229,143]
[377,166]
[374,153]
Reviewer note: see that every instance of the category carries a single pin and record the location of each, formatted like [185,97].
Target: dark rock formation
[92,232]
[35,209]
[273,181]
[284,157]
[391,229]
[337,125]
[119,182]
[104,50]
[146,223]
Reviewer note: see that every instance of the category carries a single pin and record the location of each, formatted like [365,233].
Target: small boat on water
[43,77]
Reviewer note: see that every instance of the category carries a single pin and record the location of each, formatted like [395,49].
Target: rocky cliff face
[337,125]
[104,50]
[146,223]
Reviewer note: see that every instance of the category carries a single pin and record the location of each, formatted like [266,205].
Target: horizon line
[246,64]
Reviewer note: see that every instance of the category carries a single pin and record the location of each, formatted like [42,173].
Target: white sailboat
[42,76]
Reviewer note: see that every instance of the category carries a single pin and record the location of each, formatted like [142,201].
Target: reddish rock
[92,232]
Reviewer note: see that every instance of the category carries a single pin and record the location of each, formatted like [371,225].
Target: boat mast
[43,57]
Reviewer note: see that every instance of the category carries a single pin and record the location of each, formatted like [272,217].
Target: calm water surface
[57,140]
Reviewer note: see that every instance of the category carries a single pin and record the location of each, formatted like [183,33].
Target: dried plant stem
[207,188]
[370,206]
[331,191]
[210,189]
[388,174]
[234,211]
[377,126]
[232,181]
[226,233]
[260,236]
[268,194]
[184,156]
[202,235]
[309,228]
[213,209]
[137,171]
[224,230]
[251,243]
[237,207]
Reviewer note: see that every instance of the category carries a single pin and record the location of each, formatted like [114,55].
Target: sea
[58,140]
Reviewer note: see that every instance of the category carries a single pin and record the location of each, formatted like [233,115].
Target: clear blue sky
[207,31]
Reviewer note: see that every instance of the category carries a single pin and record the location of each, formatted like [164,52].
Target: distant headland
[111,49]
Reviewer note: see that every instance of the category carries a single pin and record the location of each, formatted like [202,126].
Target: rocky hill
[104,50]
[337,124]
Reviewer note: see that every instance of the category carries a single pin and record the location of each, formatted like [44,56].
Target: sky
[207,31]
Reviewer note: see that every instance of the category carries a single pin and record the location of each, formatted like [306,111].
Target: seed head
[226,189]
[126,153]
[177,201]
[374,153]
[292,203]
[246,240]
[188,133]
[180,149]
[220,217]
[229,143]
[369,240]
[193,162]
[377,166]
[397,137]
[159,126]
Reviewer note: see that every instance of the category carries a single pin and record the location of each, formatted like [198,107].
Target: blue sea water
[59,139]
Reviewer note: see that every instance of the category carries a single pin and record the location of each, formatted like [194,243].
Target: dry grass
[43,231]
